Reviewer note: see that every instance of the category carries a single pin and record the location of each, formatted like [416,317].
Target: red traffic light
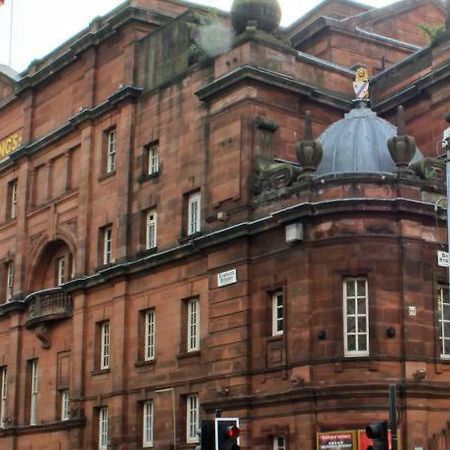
[233,432]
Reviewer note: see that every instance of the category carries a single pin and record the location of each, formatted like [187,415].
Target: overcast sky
[42,25]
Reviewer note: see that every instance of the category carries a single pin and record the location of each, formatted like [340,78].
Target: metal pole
[393,415]
[447,164]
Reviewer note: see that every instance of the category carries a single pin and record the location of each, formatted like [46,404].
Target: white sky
[42,25]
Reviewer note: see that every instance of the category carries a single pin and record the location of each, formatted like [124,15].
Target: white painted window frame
[149,335]
[194,213]
[103,428]
[192,418]
[151,229]
[4,396]
[278,313]
[107,245]
[147,424]
[359,334]
[34,391]
[13,200]
[105,345]
[9,280]
[193,325]
[279,443]
[111,151]
[60,270]
[65,405]
[443,305]
[152,159]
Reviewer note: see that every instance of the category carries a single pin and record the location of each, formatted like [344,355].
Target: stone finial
[402,147]
[264,15]
[309,152]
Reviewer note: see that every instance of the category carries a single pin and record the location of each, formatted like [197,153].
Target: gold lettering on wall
[10,144]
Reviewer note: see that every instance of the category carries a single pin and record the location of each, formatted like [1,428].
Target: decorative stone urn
[402,147]
[309,152]
[263,14]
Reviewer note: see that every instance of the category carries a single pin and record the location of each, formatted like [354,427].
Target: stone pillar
[86,164]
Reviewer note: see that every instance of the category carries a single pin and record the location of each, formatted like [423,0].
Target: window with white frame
[103,428]
[152,159]
[65,404]
[356,317]
[192,418]
[104,345]
[194,213]
[4,395]
[60,270]
[277,313]
[279,443]
[147,421]
[149,335]
[444,320]
[12,193]
[111,151]
[34,373]
[193,325]
[150,229]
[107,245]
[9,280]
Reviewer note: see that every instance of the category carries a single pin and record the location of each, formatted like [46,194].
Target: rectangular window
[193,325]
[444,321]
[150,229]
[65,404]
[34,375]
[104,345]
[12,200]
[279,443]
[9,270]
[152,159]
[103,428]
[194,213]
[147,420]
[60,271]
[277,313]
[149,350]
[4,396]
[111,151]
[192,418]
[107,245]
[356,317]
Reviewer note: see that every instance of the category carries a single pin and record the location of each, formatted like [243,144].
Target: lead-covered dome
[264,14]
[358,144]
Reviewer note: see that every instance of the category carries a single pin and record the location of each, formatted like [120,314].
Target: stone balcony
[48,306]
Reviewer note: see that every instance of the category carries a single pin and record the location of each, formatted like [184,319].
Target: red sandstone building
[173,243]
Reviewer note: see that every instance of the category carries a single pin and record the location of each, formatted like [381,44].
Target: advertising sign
[338,440]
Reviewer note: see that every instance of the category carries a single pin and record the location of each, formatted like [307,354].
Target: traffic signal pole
[393,415]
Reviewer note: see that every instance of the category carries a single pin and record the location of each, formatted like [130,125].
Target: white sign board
[442,259]
[226,278]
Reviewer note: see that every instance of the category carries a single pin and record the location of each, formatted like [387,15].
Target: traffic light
[227,434]
[206,436]
[378,432]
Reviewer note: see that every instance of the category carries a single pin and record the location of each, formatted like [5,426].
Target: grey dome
[358,144]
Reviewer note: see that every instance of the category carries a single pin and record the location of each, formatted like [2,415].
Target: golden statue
[361,84]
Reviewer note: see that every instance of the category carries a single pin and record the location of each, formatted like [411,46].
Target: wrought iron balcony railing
[48,305]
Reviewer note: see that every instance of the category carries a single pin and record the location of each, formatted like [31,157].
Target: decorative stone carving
[43,334]
[309,151]
[272,175]
[429,168]
[402,147]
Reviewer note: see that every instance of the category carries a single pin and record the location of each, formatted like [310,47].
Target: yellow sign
[10,144]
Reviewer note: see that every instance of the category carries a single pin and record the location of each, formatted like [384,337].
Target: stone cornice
[127,93]
[436,75]
[275,79]
[70,50]
[417,210]
[308,393]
